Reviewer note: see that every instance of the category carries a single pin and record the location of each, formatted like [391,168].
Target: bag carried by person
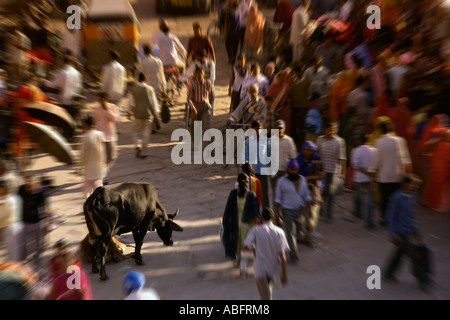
[165,112]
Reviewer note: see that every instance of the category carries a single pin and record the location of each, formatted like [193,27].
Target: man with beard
[292,198]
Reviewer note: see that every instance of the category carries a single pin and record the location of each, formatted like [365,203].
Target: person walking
[200,99]
[133,287]
[34,211]
[199,42]
[153,69]
[299,101]
[270,246]
[297,35]
[332,151]
[403,230]
[105,116]
[92,157]
[240,213]
[143,105]
[60,290]
[114,79]
[255,76]
[172,52]
[262,143]
[287,151]
[292,200]
[363,161]
[393,162]
[240,71]
[233,32]
[11,224]
[70,83]
[254,183]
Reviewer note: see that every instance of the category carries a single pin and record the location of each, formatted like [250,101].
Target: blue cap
[133,280]
[293,164]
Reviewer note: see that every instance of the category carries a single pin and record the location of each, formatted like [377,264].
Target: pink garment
[105,121]
[62,292]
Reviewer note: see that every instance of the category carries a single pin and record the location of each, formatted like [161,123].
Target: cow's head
[164,227]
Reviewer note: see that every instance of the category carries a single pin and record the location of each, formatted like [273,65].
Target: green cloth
[299,93]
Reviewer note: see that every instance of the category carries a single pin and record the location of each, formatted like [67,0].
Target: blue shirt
[262,150]
[289,197]
[400,215]
[314,118]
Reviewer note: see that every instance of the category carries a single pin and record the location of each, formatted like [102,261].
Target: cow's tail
[90,208]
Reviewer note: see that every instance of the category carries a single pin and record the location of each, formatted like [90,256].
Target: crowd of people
[355,110]
[366,111]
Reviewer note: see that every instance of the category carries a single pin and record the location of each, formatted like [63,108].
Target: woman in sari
[279,92]
[427,142]
[437,185]
[338,93]
[254,32]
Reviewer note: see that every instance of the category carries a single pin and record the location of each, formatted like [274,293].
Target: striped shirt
[200,92]
[331,151]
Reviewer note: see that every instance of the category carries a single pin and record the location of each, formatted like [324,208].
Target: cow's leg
[138,236]
[94,247]
[104,251]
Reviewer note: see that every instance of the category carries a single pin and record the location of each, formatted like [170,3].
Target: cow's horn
[172,216]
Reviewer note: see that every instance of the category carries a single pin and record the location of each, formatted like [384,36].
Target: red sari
[436,194]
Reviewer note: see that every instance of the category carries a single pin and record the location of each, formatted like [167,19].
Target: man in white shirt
[201,60]
[172,52]
[270,245]
[114,79]
[92,157]
[153,69]
[287,151]
[363,161]
[298,30]
[393,162]
[255,76]
[70,83]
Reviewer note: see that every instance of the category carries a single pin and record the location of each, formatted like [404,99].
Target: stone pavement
[195,267]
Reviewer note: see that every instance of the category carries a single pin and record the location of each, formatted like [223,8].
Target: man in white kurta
[92,157]
[298,30]
[114,79]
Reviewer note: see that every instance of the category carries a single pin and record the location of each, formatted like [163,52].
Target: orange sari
[344,83]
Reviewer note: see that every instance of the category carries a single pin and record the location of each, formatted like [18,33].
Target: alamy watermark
[374,20]
[74,280]
[239,147]
[374,280]
[74,20]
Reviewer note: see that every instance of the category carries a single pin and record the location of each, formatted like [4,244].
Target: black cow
[128,207]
